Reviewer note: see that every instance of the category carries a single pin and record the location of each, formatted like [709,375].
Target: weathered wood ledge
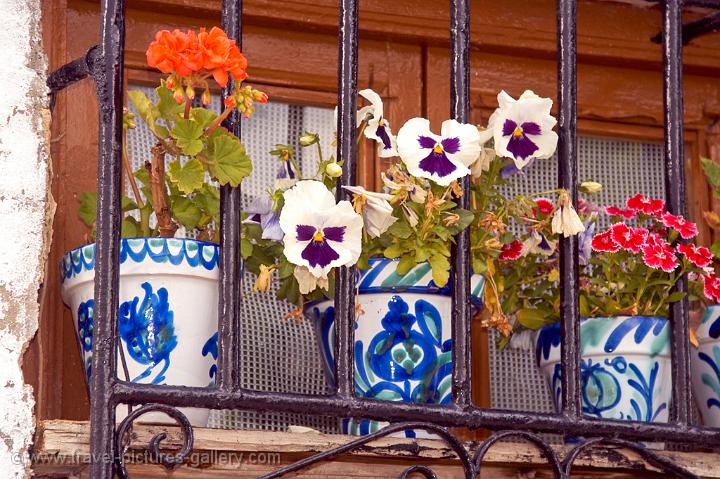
[62,450]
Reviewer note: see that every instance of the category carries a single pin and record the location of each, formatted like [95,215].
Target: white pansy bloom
[309,283]
[377,128]
[442,158]
[522,128]
[537,243]
[319,234]
[376,210]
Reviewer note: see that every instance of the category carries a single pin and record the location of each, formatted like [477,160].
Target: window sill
[62,451]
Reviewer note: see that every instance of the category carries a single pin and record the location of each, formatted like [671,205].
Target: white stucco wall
[25,212]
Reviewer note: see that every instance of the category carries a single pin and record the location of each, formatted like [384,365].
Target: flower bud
[308,138]
[190,92]
[206,97]
[179,95]
[259,96]
[170,82]
[230,102]
[333,170]
[590,187]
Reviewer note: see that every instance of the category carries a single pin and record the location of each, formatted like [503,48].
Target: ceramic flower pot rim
[401,284]
[622,349]
[69,269]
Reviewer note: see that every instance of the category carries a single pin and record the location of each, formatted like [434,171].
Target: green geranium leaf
[203,116]
[130,228]
[187,135]
[167,107]
[230,164]
[185,211]
[189,177]
[208,200]
[88,207]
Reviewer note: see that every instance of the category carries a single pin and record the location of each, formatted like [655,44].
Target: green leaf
[405,264]
[674,297]
[246,248]
[715,248]
[393,251]
[712,171]
[167,107]
[532,318]
[189,177]
[230,164]
[203,116]
[208,200]
[130,228]
[440,269]
[88,207]
[187,134]
[185,211]
[400,229]
[147,112]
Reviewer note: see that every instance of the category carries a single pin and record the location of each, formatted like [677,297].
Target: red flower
[164,52]
[511,251]
[648,206]
[654,239]
[615,211]
[660,256]
[543,206]
[632,239]
[699,256]
[687,229]
[711,287]
[603,242]
[221,56]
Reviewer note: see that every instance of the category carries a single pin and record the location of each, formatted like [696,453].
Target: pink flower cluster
[657,253]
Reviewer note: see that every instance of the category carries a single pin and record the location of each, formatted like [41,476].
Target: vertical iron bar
[230,231]
[109,84]
[346,151]
[567,178]
[675,196]
[460,110]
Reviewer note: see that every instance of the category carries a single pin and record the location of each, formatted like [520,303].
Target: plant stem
[166,225]
[131,178]
[186,115]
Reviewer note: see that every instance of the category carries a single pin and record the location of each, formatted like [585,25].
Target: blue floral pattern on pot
[403,346]
[148,330]
[167,314]
[624,367]
[706,367]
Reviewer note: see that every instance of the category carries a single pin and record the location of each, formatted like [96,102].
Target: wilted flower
[396,181]
[309,138]
[441,158]
[308,282]
[377,128]
[264,279]
[522,128]
[319,233]
[566,220]
[590,187]
[374,208]
[482,164]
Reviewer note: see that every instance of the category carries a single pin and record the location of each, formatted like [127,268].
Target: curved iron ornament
[170,461]
[529,437]
[663,463]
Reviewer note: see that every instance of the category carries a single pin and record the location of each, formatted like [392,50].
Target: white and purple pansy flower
[441,158]
[319,233]
[522,128]
[377,128]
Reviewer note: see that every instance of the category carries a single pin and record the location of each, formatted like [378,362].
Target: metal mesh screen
[282,355]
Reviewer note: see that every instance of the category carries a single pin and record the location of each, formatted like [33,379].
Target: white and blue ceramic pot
[167,316]
[624,367]
[403,343]
[706,367]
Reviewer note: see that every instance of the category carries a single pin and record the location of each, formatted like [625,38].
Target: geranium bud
[170,82]
[259,96]
[179,95]
[190,91]
[206,97]
[333,170]
[590,187]
[230,102]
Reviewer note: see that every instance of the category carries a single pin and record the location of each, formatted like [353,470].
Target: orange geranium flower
[164,52]
[221,56]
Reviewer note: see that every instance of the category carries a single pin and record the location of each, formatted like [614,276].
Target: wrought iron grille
[104,63]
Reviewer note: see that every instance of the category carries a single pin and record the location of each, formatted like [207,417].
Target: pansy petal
[375,101]
[468,141]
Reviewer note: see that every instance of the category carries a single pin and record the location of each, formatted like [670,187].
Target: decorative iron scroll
[471,461]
